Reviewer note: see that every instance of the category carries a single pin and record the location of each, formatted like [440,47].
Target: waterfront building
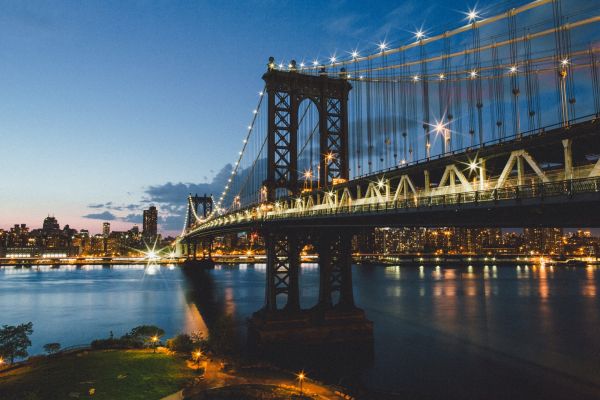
[543,240]
[106,229]
[50,226]
[150,222]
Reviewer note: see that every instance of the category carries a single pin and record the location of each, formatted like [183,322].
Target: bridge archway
[286,90]
[309,149]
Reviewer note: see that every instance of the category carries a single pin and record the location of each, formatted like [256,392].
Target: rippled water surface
[467,332]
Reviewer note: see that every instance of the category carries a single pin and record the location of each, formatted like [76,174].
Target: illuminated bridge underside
[548,179]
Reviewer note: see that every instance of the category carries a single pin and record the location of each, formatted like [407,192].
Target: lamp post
[198,354]
[301,377]
[154,341]
[328,157]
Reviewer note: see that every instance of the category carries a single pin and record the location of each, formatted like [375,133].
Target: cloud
[133,218]
[170,199]
[106,216]
[175,194]
[111,206]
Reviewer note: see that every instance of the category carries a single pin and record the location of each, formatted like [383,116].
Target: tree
[146,332]
[52,348]
[181,343]
[14,340]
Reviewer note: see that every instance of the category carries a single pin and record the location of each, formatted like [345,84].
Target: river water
[481,332]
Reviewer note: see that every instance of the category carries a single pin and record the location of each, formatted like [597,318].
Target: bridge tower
[204,204]
[334,316]
[286,90]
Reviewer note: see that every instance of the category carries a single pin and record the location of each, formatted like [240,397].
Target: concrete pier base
[310,327]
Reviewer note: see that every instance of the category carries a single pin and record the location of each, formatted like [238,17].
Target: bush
[146,332]
[52,348]
[181,343]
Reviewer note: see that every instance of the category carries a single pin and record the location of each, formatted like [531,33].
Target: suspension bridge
[492,123]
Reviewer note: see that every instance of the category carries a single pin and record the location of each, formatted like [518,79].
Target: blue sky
[108,106]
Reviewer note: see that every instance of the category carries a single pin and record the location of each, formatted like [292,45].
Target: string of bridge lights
[474,19]
[473,16]
[246,140]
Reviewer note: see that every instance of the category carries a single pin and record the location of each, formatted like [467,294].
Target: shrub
[181,343]
[52,348]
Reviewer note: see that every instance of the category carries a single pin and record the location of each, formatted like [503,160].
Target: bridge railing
[522,192]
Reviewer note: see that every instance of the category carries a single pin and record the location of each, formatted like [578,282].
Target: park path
[214,377]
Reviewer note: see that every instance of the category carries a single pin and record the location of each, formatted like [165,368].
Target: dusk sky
[109,106]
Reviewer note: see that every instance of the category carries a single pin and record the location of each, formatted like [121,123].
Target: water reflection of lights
[309,266]
[589,288]
[260,267]
[392,272]
[152,269]
[449,274]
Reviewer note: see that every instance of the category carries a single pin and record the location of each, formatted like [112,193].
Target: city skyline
[127,81]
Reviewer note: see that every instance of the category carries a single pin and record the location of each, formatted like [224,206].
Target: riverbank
[143,374]
[101,374]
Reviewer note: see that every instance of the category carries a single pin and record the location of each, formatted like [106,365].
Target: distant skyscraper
[106,229]
[150,228]
[50,225]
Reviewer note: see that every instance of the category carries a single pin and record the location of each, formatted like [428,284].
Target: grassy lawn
[114,374]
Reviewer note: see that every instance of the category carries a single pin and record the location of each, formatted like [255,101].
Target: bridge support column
[334,320]
[283,268]
[335,267]
[427,183]
[482,174]
[567,146]
[520,170]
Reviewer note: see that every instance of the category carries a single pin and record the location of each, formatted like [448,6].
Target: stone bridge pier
[334,318]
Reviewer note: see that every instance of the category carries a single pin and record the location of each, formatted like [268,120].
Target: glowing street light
[301,378]
[198,354]
[440,128]
[419,34]
[154,341]
[383,46]
[472,15]
[513,69]
[354,54]
[473,165]
[332,59]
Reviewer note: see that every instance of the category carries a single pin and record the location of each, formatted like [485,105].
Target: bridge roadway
[563,189]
